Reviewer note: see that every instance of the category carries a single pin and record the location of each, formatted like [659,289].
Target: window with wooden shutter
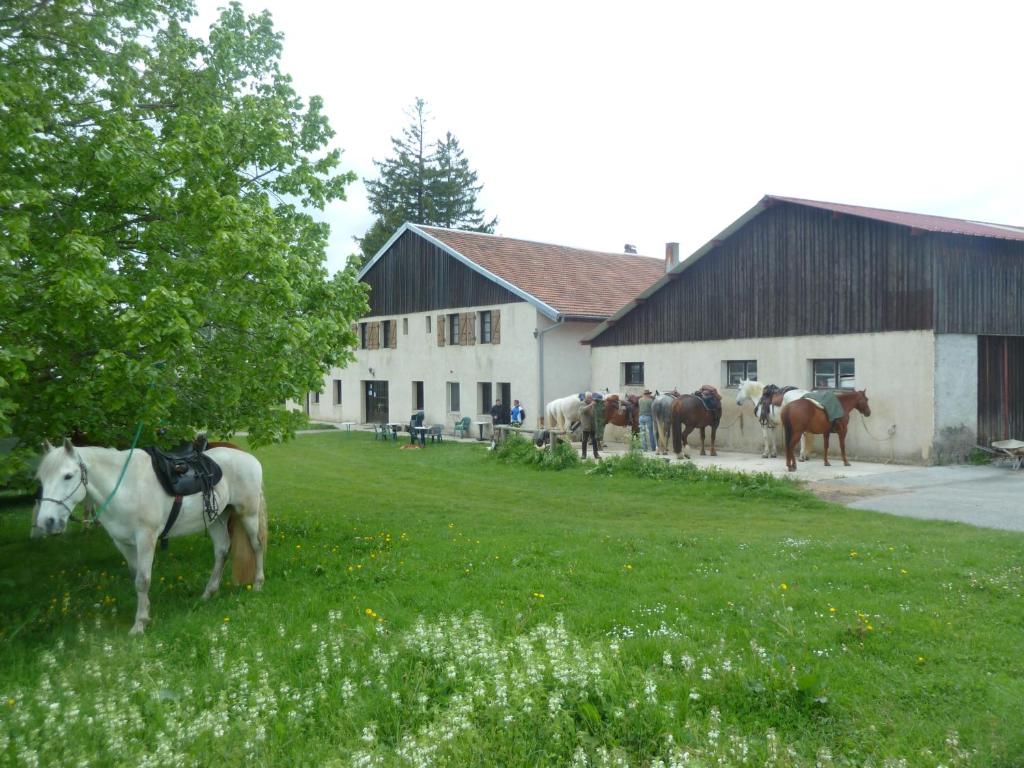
[374,336]
[440,330]
[495,326]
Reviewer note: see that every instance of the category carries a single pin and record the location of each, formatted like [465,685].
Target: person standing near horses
[646,422]
[518,414]
[587,424]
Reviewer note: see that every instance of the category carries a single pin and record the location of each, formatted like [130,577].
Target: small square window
[834,374]
[633,374]
[739,370]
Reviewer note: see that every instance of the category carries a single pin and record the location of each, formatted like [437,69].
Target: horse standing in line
[768,414]
[560,413]
[139,510]
[691,412]
[623,412]
[661,414]
[802,416]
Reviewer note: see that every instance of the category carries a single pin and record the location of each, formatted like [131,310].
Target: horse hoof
[703,454]
[846,464]
[138,628]
[765,456]
[827,464]
[774,456]
[713,453]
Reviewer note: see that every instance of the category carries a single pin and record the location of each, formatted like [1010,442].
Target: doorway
[376,400]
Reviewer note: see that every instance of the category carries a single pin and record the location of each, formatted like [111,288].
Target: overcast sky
[598,124]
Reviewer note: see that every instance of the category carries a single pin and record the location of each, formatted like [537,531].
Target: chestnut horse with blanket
[800,416]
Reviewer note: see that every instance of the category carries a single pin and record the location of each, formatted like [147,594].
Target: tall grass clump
[518,450]
[635,463]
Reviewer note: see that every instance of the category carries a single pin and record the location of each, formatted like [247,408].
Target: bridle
[83,481]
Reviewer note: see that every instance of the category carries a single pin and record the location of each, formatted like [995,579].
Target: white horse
[752,391]
[139,510]
[560,413]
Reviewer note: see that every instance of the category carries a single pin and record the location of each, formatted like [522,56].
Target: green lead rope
[135,440]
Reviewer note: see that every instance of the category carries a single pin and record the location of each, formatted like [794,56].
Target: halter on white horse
[135,515]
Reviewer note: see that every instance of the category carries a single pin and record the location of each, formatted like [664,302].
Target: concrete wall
[956,397]
[897,369]
[515,360]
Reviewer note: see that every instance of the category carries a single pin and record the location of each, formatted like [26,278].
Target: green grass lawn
[438,607]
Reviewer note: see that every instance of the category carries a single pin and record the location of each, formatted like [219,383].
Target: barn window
[428,323]
[834,374]
[453,329]
[453,396]
[337,391]
[362,335]
[485,327]
[739,370]
[632,374]
[405,326]
[385,328]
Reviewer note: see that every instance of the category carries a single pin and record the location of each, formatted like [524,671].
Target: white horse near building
[563,412]
[753,391]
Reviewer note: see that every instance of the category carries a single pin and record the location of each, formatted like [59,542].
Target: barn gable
[799,268]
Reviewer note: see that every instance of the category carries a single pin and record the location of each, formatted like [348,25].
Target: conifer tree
[422,183]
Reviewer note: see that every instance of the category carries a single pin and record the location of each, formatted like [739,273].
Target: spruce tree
[423,184]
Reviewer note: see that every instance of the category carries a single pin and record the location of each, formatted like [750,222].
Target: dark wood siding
[795,271]
[979,286]
[1000,388]
[416,276]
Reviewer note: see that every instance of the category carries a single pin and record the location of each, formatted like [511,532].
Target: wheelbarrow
[1012,450]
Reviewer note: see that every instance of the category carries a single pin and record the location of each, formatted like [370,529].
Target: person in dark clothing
[588,424]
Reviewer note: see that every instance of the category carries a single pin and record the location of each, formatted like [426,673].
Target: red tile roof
[920,221]
[575,282]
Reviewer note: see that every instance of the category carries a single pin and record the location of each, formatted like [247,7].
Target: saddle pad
[828,402]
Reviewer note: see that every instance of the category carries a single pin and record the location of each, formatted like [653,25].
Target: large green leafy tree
[422,182]
[158,261]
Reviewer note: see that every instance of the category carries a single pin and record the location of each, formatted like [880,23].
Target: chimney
[629,248]
[671,256]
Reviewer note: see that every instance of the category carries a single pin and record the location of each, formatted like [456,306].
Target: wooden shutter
[394,334]
[373,336]
[440,330]
[463,328]
[495,326]
[471,318]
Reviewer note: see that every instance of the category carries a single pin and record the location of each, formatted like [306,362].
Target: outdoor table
[421,435]
[481,425]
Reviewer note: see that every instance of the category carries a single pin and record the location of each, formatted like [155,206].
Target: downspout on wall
[538,333]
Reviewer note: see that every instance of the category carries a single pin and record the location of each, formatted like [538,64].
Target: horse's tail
[677,429]
[243,556]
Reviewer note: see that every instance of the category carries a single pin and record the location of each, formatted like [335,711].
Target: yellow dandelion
[783,586]
[853,553]
[227,619]
[11,702]
[369,611]
[831,609]
[903,571]
[920,659]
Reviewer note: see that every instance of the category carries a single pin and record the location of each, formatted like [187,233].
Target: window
[485,327]
[385,333]
[485,396]
[337,391]
[405,326]
[453,329]
[417,395]
[833,374]
[316,398]
[428,324]
[632,374]
[739,370]
[362,335]
[453,396]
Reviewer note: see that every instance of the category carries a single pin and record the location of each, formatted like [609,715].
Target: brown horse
[623,412]
[689,411]
[800,416]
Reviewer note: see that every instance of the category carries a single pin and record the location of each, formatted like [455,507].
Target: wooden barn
[459,319]
[924,312]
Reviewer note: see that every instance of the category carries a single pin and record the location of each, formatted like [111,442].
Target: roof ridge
[805,200]
[534,242]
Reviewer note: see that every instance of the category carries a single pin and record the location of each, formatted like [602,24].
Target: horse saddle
[828,402]
[709,396]
[184,470]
